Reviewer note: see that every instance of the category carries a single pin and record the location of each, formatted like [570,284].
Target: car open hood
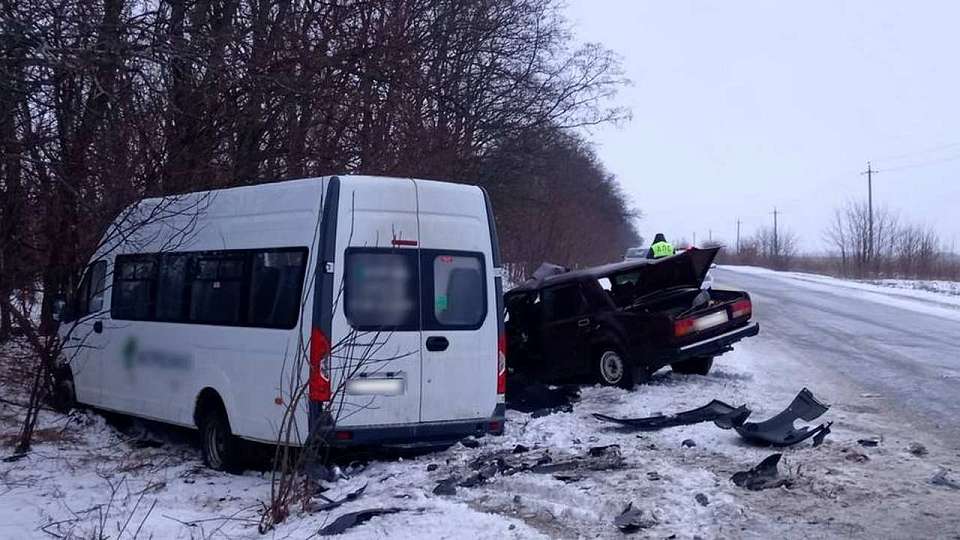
[687,269]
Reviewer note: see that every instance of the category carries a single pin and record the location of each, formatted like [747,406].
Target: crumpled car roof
[551,274]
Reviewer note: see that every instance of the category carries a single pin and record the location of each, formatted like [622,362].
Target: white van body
[228,297]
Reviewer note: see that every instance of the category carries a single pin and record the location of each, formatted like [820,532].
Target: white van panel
[459,382]
[157,369]
[373,212]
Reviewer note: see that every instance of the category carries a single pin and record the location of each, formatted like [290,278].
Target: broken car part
[763,476]
[331,504]
[722,414]
[346,521]
[540,399]
[780,431]
[633,519]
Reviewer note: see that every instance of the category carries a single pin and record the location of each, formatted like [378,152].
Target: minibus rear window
[459,297]
[381,289]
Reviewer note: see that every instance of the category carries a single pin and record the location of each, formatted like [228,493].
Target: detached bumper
[712,346]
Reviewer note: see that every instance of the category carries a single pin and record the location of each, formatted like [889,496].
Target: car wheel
[614,370]
[694,366]
[220,449]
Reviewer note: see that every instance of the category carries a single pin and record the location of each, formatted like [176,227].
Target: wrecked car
[619,323]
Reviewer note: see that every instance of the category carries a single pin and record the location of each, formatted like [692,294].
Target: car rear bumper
[712,346]
[417,435]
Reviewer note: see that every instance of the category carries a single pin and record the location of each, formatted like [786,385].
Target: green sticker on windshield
[441,302]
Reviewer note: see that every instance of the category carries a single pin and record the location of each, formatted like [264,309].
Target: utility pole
[738,235]
[869,172]
[710,234]
[694,239]
[776,235]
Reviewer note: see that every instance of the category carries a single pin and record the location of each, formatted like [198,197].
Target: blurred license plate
[370,387]
[709,321]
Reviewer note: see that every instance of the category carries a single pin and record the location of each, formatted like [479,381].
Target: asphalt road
[910,357]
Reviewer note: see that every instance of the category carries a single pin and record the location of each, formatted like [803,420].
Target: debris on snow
[941,479]
[869,443]
[633,519]
[688,443]
[763,476]
[447,486]
[702,499]
[780,430]
[722,414]
[917,449]
[470,442]
[541,399]
[352,519]
[332,504]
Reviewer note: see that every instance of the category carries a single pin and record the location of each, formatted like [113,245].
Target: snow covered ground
[925,296]
[86,478]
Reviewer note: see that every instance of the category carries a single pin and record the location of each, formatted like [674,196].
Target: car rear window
[381,289]
[459,292]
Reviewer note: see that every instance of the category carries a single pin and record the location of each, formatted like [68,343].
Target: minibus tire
[219,447]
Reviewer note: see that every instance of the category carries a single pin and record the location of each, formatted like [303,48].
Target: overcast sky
[742,106]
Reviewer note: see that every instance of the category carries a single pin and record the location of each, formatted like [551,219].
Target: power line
[920,164]
[932,150]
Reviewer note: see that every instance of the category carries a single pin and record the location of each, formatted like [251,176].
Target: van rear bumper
[417,435]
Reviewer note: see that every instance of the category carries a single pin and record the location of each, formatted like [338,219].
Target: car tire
[219,447]
[613,369]
[694,366]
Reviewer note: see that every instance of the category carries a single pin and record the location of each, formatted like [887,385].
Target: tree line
[895,248]
[103,102]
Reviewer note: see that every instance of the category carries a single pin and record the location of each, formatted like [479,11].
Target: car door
[82,334]
[565,325]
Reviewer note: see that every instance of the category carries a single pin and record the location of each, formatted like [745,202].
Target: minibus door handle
[437,343]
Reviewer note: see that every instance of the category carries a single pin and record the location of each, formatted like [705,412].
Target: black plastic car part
[780,431]
[722,414]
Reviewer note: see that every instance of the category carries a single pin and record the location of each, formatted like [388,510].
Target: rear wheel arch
[208,400]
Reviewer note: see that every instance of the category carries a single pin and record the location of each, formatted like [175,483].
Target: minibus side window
[216,290]
[133,287]
[275,285]
[458,289]
[172,287]
[381,289]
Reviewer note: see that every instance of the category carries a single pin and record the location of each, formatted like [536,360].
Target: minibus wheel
[220,449]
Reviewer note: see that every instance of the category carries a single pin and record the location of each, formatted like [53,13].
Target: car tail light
[741,308]
[502,364]
[683,327]
[319,370]
[343,435]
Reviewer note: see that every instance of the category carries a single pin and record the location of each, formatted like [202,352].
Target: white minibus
[378,298]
